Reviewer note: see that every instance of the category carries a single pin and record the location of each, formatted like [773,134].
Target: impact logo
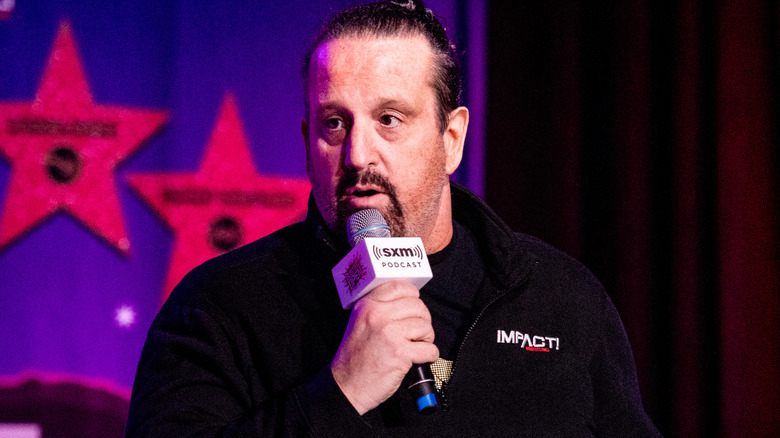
[414,252]
[354,274]
[528,342]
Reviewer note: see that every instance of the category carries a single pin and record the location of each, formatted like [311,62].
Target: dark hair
[389,18]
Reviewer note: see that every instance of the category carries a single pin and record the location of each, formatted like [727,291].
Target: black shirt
[458,274]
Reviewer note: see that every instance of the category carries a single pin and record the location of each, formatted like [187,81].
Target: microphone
[376,258]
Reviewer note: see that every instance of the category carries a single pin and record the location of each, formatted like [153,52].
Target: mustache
[394,212]
[364,178]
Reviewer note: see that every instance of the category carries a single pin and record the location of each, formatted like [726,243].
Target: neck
[441,233]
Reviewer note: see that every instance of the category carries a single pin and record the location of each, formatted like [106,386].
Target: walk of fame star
[225,204]
[63,151]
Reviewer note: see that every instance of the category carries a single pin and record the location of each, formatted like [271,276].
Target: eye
[334,123]
[333,130]
[389,120]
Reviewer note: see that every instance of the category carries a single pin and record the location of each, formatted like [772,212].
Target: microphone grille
[366,223]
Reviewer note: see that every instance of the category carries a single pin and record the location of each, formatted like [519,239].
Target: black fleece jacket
[243,345]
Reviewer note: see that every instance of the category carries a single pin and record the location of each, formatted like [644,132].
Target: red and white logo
[527,341]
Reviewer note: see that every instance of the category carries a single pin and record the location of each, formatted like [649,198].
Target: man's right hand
[389,330]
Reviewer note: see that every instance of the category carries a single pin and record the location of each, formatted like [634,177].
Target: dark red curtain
[641,137]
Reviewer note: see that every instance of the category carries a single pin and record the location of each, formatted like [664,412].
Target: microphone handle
[421,385]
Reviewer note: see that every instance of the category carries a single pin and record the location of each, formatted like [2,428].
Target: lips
[362,192]
[360,197]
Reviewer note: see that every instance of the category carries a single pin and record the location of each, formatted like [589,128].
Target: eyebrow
[327,107]
[400,104]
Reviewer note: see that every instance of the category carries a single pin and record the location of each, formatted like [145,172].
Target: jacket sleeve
[192,380]
[618,405]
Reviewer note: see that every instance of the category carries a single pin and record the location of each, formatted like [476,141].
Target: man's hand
[389,330]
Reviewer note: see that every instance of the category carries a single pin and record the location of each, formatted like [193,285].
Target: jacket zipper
[443,391]
[444,402]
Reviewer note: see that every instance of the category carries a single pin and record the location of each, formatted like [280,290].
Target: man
[255,343]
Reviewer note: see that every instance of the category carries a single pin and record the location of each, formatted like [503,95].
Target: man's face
[372,134]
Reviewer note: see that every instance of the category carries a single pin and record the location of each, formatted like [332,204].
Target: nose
[359,148]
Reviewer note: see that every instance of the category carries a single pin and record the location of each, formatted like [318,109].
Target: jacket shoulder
[558,267]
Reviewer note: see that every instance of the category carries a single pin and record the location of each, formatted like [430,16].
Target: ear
[454,137]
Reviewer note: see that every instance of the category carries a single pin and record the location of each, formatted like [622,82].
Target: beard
[392,212]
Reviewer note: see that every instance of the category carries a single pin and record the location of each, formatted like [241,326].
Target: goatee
[393,213]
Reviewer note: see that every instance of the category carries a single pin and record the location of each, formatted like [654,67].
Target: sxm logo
[413,252]
[528,342]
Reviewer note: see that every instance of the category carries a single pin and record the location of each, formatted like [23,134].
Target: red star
[63,150]
[225,204]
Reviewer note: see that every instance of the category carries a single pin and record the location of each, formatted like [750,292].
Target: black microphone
[363,269]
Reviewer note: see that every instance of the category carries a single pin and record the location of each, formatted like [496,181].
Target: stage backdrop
[138,139]
[643,137]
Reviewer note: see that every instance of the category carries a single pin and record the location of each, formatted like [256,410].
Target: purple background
[60,284]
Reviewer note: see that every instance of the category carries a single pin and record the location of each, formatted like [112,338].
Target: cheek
[323,165]
[427,162]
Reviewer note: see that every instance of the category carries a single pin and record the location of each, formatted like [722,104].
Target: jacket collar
[506,262]
[322,235]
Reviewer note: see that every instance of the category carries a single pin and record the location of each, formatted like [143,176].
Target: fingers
[423,352]
[389,330]
[380,313]
[400,332]
[405,317]
[393,290]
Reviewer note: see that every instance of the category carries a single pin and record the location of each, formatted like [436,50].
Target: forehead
[386,63]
